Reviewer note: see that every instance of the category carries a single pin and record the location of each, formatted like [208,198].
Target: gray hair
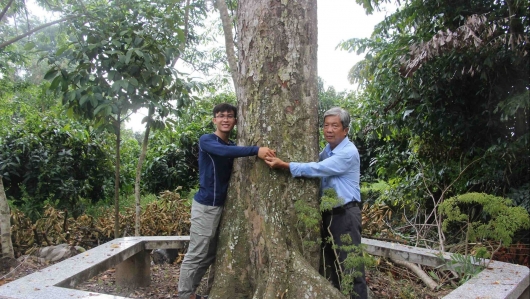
[341,113]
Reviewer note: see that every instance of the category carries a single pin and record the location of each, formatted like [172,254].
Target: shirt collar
[339,146]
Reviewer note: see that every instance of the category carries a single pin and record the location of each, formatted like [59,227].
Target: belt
[352,204]
[342,209]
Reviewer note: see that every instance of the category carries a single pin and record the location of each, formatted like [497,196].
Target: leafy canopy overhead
[118,59]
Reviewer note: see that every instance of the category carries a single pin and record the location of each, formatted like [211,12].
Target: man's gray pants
[202,247]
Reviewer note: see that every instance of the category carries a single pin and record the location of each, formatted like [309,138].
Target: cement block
[135,271]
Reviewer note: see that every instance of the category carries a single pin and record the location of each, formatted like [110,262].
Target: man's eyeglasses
[225,116]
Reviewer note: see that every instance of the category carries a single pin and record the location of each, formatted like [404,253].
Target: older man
[339,168]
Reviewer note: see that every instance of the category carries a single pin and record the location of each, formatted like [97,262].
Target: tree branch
[229,41]
[4,11]
[15,39]
[182,46]
[418,271]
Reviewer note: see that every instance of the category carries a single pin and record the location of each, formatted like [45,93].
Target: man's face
[224,121]
[333,130]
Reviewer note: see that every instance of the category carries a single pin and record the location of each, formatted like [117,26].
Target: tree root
[306,282]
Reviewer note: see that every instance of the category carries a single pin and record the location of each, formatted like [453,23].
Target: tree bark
[261,251]
[117,128]
[229,39]
[4,11]
[5,224]
[141,160]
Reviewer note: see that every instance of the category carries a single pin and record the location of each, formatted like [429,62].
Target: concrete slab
[499,281]
[56,280]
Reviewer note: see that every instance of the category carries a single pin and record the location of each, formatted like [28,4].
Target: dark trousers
[338,223]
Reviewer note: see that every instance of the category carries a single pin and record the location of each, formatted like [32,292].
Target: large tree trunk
[5,224]
[262,253]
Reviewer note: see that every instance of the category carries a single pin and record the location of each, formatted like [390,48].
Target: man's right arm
[334,165]
[212,146]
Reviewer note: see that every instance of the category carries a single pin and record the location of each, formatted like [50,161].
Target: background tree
[276,87]
[119,62]
[446,84]
[18,13]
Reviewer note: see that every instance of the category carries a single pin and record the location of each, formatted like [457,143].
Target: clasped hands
[269,156]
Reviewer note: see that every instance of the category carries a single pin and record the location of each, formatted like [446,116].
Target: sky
[340,20]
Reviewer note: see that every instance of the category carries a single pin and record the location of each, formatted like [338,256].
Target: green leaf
[94,101]
[29,45]
[128,56]
[83,99]
[61,50]
[55,82]
[71,96]
[414,95]
[50,74]
[98,108]
[138,41]
[139,53]
[133,82]
[70,112]
[120,84]
[162,59]
[111,75]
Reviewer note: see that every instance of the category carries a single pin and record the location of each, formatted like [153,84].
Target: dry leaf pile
[168,216]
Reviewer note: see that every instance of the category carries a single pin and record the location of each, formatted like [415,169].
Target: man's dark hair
[224,107]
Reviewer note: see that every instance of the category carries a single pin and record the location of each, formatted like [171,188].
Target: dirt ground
[384,282]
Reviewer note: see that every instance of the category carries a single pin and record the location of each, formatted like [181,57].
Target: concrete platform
[128,255]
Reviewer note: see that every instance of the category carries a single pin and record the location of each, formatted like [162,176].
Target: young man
[216,157]
[339,168]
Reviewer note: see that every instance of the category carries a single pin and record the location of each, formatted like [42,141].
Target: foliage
[121,62]
[129,152]
[355,260]
[329,200]
[309,221]
[485,216]
[464,102]
[53,160]
[466,266]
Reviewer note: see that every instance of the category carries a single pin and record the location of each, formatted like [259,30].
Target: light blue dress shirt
[338,168]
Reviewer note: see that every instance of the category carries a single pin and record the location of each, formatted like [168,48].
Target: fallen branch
[418,271]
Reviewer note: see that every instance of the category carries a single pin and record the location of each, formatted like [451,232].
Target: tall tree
[276,87]
[120,56]
[151,111]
